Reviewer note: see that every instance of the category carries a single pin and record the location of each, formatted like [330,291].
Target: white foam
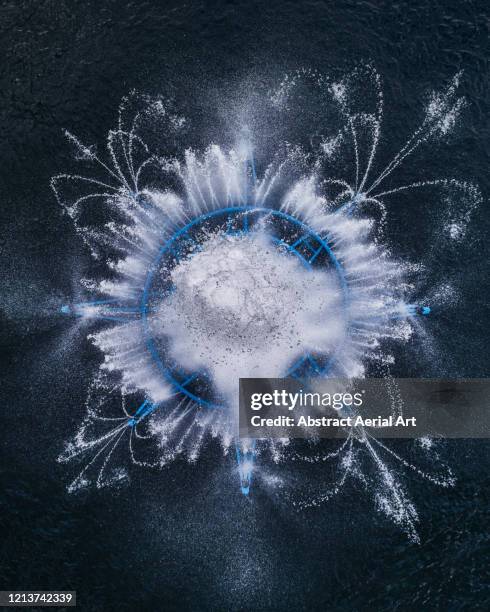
[244,308]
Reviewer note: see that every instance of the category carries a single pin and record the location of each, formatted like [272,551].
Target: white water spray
[244,296]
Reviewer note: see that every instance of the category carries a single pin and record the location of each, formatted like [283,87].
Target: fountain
[222,271]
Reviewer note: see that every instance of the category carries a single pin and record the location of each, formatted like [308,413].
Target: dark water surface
[185,538]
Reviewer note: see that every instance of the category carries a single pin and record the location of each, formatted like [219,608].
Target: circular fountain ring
[285,230]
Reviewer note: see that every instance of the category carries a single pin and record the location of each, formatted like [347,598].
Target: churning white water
[243,307]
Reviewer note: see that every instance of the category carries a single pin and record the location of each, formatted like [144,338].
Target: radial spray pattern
[213,272]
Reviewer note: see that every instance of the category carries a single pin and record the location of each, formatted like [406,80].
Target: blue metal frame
[230,211]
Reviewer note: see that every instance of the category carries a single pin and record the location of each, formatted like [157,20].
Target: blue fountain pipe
[78,310]
[418,309]
[245,456]
[143,411]
[348,207]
